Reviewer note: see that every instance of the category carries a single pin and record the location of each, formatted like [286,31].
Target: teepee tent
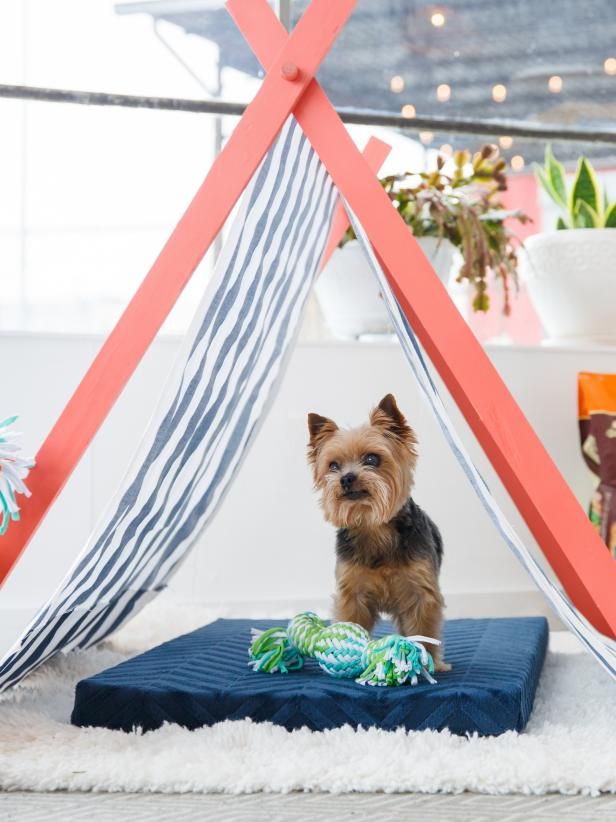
[293,156]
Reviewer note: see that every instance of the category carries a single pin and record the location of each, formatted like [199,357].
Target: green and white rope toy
[13,470]
[343,650]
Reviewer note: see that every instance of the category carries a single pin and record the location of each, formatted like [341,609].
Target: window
[88,195]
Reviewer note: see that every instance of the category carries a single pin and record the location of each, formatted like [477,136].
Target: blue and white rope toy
[343,650]
[13,470]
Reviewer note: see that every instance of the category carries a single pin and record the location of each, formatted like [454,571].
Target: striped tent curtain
[225,378]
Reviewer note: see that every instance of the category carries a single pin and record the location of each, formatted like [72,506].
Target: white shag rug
[568,747]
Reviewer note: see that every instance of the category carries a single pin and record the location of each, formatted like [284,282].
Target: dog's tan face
[364,474]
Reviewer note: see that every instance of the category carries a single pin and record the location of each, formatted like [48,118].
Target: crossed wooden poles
[558,523]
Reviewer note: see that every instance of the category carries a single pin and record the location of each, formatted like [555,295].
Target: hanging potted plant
[460,224]
[570,272]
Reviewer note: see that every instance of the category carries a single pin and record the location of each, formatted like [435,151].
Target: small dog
[388,550]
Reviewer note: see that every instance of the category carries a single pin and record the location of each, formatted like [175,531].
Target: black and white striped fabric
[601,647]
[226,376]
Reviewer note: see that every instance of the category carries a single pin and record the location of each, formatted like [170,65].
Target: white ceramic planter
[571,279]
[349,295]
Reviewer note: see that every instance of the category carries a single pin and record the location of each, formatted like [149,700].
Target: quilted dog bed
[203,677]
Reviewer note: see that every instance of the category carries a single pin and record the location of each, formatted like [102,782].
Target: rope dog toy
[344,650]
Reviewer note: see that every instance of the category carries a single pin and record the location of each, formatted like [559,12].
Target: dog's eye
[334,466]
[372,459]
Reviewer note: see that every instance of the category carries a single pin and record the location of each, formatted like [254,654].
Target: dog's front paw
[442,667]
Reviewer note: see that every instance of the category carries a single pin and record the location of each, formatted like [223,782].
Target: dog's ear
[320,429]
[388,417]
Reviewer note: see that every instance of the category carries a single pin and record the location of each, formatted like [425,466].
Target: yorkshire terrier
[388,550]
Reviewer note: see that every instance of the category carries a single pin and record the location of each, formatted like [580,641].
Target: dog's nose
[347,480]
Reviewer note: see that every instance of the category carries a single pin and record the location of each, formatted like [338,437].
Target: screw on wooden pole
[289,71]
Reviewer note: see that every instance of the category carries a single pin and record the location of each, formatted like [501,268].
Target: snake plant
[585,205]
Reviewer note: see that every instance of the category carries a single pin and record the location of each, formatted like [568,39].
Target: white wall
[268,541]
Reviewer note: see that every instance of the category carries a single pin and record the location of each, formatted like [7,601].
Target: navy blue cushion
[203,677]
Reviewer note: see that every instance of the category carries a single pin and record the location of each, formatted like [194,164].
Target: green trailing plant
[585,205]
[463,206]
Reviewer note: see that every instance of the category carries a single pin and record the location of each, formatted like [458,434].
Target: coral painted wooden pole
[296,60]
[547,504]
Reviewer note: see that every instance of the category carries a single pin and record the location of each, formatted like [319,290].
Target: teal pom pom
[395,660]
[271,651]
[13,471]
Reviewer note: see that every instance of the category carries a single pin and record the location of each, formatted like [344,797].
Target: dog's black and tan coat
[389,551]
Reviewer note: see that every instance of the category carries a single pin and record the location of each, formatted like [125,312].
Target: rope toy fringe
[344,650]
[13,470]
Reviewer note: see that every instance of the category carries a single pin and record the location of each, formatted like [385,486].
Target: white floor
[302,807]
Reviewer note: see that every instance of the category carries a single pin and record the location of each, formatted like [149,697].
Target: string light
[443,93]
[555,84]
[517,162]
[426,137]
[505,142]
[446,149]
[396,84]
[408,110]
[610,66]
[438,19]
[499,93]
